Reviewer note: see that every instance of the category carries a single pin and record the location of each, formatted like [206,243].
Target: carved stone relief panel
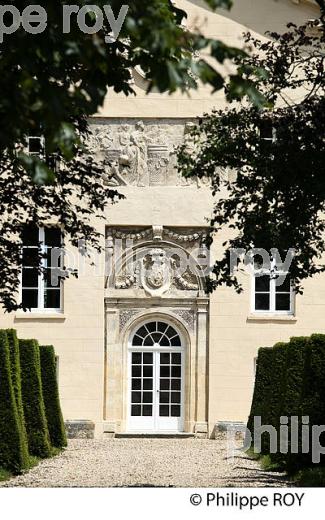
[155,261]
[140,153]
[126,315]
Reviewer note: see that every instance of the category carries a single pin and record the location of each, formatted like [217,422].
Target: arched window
[156,333]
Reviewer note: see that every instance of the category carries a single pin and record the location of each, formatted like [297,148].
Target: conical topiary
[51,397]
[12,453]
[34,409]
[16,383]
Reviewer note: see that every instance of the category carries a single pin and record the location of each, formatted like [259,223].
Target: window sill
[290,318]
[39,316]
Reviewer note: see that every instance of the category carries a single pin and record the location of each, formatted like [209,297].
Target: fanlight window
[156,333]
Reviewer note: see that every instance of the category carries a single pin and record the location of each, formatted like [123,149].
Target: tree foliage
[72,201]
[267,166]
[52,82]
[49,80]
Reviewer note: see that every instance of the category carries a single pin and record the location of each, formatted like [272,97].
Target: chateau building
[141,346]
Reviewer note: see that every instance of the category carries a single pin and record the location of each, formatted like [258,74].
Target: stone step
[158,435]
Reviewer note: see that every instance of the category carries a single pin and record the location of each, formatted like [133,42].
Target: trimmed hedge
[12,452]
[262,391]
[290,382]
[292,395]
[34,409]
[16,383]
[313,391]
[275,397]
[51,397]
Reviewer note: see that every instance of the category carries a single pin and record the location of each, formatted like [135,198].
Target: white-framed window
[272,294]
[267,134]
[40,291]
[36,145]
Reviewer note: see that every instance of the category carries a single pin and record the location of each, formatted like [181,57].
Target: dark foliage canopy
[270,192]
[51,82]
[50,79]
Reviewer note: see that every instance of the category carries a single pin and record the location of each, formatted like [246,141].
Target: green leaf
[224,4]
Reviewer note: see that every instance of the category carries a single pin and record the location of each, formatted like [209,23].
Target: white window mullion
[272,294]
[43,264]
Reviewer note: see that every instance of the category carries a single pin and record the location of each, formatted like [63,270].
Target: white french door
[156,379]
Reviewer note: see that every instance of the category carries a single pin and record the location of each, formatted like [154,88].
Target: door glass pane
[176,371]
[176,359]
[164,397]
[164,342]
[170,385]
[176,397]
[136,384]
[147,384]
[147,397]
[164,384]
[164,411]
[136,397]
[137,341]
[176,384]
[147,410]
[176,411]
[164,359]
[147,358]
[135,410]
[170,332]
[175,342]
[162,327]
[164,371]
[136,371]
[142,332]
[151,327]
[136,358]
[142,384]
[147,371]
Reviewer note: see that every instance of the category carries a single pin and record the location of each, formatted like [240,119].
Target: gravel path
[147,462]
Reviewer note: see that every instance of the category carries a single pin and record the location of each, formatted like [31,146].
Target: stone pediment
[156,261]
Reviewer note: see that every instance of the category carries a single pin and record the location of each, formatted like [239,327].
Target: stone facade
[147,237]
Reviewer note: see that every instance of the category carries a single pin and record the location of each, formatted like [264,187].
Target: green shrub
[262,391]
[16,383]
[12,453]
[34,409]
[275,397]
[292,396]
[51,397]
[310,477]
[313,391]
